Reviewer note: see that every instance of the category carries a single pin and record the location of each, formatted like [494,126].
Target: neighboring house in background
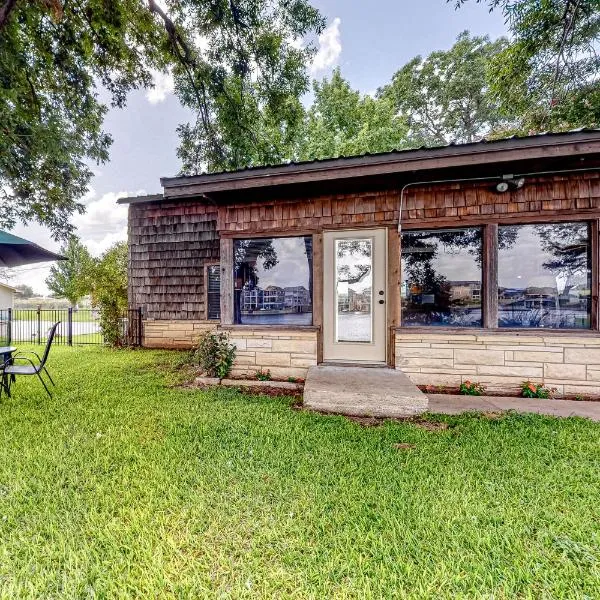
[7,296]
[473,261]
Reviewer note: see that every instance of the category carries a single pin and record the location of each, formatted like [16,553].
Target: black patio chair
[10,370]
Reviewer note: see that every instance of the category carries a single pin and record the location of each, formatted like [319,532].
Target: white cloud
[330,48]
[163,87]
[104,221]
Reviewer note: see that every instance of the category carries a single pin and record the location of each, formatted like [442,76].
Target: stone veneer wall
[501,361]
[174,333]
[286,353]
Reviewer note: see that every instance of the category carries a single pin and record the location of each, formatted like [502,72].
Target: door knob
[381,292]
[381,301]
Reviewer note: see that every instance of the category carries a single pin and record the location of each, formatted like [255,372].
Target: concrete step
[362,391]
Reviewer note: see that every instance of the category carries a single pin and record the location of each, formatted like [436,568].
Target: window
[213,292]
[273,281]
[441,277]
[544,276]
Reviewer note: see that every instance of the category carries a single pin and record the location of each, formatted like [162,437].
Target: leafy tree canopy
[235,63]
[445,97]
[71,278]
[342,122]
[26,291]
[549,72]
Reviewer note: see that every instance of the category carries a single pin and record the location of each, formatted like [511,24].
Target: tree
[236,63]
[549,72]
[25,290]
[342,122]
[70,278]
[108,286]
[446,97]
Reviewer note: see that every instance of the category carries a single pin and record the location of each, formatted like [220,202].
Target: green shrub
[215,354]
[471,388]
[263,375]
[535,390]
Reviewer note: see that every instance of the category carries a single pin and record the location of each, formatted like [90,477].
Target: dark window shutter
[214,292]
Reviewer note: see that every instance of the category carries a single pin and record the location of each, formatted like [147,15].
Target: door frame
[329,312]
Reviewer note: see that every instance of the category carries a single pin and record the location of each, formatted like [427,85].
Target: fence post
[70,326]
[9,328]
[39,325]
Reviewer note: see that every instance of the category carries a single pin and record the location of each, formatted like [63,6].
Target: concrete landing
[362,391]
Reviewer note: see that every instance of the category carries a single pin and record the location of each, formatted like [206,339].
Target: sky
[369,41]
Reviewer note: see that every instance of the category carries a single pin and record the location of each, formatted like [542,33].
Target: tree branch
[5,11]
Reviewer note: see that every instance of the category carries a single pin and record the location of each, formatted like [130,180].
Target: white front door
[354,303]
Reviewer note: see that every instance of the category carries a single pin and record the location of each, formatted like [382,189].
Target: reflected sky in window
[544,276]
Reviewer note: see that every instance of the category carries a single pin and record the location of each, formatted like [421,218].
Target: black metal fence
[77,326]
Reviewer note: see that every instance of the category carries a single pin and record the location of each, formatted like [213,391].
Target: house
[476,261]
[7,296]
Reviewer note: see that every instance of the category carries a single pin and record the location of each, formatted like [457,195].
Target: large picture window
[544,276]
[273,280]
[441,277]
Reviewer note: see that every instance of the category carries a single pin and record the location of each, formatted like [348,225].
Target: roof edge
[140,199]
[384,158]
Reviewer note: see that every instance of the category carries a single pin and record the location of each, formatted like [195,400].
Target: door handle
[382,302]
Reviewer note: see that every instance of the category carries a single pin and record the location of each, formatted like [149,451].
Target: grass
[50,314]
[127,486]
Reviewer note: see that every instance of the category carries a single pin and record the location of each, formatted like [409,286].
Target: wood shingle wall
[542,196]
[169,244]
[311,213]
[423,206]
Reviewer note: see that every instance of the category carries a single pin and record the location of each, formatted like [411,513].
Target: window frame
[433,231]
[490,274]
[228,279]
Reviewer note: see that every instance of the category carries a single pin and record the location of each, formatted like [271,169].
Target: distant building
[296,297]
[465,291]
[273,298]
[7,296]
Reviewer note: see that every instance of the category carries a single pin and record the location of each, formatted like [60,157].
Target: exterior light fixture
[508,182]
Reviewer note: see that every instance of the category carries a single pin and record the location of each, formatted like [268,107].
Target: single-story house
[7,296]
[475,261]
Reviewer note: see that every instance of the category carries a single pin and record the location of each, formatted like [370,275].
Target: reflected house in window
[273,281]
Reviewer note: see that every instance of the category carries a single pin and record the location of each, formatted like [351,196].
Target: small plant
[471,388]
[292,380]
[535,390]
[215,354]
[263,375]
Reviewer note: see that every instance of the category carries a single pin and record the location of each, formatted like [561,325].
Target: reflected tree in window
[354,289]
[441,277]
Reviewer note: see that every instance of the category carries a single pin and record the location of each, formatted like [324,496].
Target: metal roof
[396,161]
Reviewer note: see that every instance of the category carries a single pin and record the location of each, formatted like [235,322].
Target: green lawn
[126,486]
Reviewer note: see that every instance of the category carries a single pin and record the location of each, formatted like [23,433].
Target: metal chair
[10,370]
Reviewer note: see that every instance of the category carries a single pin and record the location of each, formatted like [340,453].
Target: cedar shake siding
[541,198]
[169,244]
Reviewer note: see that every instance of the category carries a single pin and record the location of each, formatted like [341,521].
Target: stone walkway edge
[451,404]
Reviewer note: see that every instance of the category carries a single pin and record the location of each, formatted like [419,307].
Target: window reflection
[354,281]
[544,276]
[441,277]
[273,281]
